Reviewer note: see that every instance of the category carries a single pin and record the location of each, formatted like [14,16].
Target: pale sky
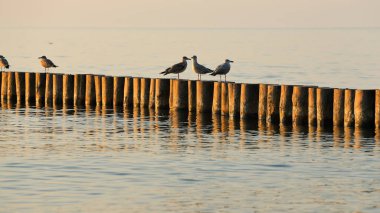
[190,13]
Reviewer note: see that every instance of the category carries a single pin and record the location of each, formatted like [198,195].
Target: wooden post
[300,105]
[192,95]
[217,102]
[234,90]
[338,117]
[57,89]
[286,104]
[152,93]
[49,90]
[312,106]
[136,92]
[364,108]
[162,93]
[128,92]
[224,108]
[98,90]
[262,114]
[90,91]
[30,88]
[249,100]
[4,87]
[40,88]
[171,94]
[273,103]
[325,100]
[144,95]
[107,91]
[349,100]
[118,91]
[79,89]
[179,95]
[12,97]
[20,87]
[205,90]
[68,90]
[377,109]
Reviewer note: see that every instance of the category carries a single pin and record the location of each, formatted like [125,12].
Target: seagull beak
[232,61]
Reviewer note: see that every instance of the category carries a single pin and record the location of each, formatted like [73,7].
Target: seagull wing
[176,68]
[50,63]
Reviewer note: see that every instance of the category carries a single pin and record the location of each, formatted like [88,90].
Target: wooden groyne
[299,105]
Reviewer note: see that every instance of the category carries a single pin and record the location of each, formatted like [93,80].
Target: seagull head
[42,57]
[185,58]
[194,57]
[229,61]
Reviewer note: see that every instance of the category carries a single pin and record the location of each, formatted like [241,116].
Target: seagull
[46,63]
[3,63]
[177,68]
[223,69]
[199,69]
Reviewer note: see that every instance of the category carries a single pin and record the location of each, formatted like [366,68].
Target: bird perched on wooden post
[46,63]
[3,63]
[223,69]
[199,69]
[177,68]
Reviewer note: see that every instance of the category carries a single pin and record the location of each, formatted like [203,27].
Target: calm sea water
[71,160]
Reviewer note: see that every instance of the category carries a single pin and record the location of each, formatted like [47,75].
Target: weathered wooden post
[377,109]
[338,117]
[171,94]
[57,89]
[234,90]
[262,102]
[224,103]
[20,87]
[205,90]
[107,91]
[162,93]
[90,91]
[300,105]
[30,88]
[68,90]
[364,108]
[152,93]
[144,95]
[217,101]
[192,93]
[4,87]
[273,103]
[325,100]
[40,88]
[349,100]
[179,95]
[128,92]
[249,100]
[79,89]
[49,90]
[98,90]
[286,104]
[136,92]
[312,105]
[118,91]
[11,92]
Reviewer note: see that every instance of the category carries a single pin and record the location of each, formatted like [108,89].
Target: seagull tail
[165,72]
[55,65]
[213,74]
[7,66]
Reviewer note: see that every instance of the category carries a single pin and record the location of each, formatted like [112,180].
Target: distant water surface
[323,57]
[105,161]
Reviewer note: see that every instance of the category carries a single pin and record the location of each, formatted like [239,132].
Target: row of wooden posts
[281,104]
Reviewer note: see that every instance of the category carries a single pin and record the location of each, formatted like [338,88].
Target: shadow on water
[173,128]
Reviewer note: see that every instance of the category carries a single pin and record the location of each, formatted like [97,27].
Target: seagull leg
[225,77]
[220,78]
[178,76]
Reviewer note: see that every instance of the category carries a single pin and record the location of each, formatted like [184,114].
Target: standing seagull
[223,69]
[3,63]
[46,63]
[177,68]
[199,69]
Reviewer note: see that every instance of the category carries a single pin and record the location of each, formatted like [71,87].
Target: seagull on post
[222,69]
[199,69]
[46,63]
[177,68]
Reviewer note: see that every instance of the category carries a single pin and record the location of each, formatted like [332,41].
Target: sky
[190,13]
